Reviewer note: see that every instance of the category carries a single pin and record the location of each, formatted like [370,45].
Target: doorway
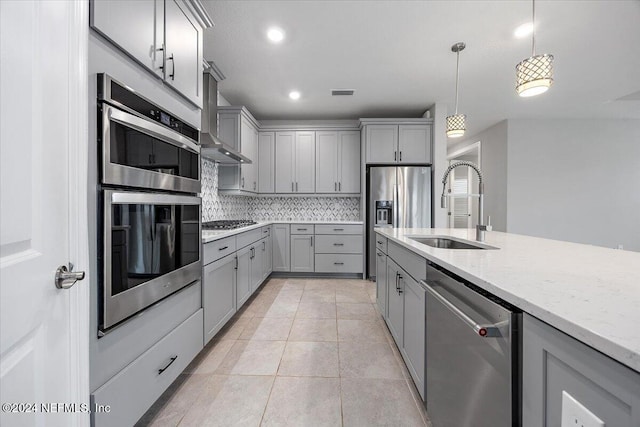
[462,188]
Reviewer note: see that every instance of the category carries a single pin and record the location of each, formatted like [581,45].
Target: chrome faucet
[480,228]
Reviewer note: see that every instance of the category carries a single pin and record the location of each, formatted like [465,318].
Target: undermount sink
[447,243]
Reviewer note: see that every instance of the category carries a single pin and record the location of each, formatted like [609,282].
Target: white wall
[575,180]
[493,159]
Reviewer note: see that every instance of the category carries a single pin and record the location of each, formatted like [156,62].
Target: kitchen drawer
[301,228]
[266,231]
[413,264]
[337,244]
[218,248]
[339,229]
[381,242]
[249,237]
[132,391]
[338,263]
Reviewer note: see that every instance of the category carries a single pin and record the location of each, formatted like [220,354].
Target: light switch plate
[575,414]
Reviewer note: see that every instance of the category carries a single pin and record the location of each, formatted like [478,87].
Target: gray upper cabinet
[305,162]
[381,143]
[266,162]
[183,47]
[557,369]
[414,144]
[164,36]
[398,143]
[285,155]
[295,162]
[135,26]
[338,162]
[238,128]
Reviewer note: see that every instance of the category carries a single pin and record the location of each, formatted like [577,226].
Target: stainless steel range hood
[212,147]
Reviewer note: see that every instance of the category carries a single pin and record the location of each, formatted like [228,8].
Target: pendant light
[455,123]
[534,75]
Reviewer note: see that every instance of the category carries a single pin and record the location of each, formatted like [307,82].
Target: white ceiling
[397,57]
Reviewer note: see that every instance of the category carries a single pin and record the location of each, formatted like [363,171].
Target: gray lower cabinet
[556,366]
[381,282]
[395,302]
[302,253]
[413,350]
[267,258]
[257,265]
[218,294]
[243,276]
[281,249]
[134,389]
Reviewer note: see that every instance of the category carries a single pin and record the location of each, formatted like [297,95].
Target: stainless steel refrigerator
[398,197]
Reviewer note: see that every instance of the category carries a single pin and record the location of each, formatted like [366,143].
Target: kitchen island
[581,311]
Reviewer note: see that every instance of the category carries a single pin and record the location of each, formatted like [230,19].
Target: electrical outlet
[574,414]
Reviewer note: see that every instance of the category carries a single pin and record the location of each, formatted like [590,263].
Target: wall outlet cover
[575,414]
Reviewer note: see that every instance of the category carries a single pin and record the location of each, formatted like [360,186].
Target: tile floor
[301,352]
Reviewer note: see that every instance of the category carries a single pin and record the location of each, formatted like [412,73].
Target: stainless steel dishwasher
[473,350]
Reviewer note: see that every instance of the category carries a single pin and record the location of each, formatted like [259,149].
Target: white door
[44,346]
[305,162]
[349,162]
[327,162]
[284,162]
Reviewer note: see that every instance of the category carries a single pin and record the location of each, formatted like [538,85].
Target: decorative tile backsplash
[215,206]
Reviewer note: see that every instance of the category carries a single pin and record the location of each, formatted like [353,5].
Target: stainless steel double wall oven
[149,207]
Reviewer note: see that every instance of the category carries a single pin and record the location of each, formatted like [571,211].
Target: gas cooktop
[227,224]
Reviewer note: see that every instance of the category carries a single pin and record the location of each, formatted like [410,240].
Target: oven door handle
[127,197]
[484,330]
[150,128]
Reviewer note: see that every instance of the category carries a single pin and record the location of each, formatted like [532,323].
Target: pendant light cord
[533,31]
[457,77]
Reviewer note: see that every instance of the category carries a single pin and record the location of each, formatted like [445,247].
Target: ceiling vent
[342,92]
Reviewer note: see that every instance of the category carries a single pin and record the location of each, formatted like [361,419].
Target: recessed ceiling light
[523,30]
[294,95]
[275,34]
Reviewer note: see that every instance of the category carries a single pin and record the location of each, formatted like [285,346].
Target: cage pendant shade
[534,75]
[456,122]
[456,125]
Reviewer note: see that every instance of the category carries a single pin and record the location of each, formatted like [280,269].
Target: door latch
[65,277]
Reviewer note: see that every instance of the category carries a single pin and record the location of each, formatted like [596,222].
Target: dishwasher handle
[484,330]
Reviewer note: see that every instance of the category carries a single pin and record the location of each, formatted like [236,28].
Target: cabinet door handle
[243,182]
[379,253]
[265,231]
[292,190]
[397,278]
[223,248]
[335,186]
[236,267]
[311,241]
[338,244]
[254,186]
[401,156]
[173,359]
[339,186]
[338,263]
[400,280]
[379,242]
[395,156]
[302,229]
[296,186]
[173,69]
[264,246]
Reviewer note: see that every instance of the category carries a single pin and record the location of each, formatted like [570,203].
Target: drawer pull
[265,231]
[379,253]
[338,229]
[338,244]
[173,359]
[223,248]
[338,263]
[301,229]
[379,242]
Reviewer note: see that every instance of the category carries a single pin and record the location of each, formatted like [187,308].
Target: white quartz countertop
[588,292]
[212,235]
